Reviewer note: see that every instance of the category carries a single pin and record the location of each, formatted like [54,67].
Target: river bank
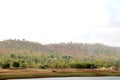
[64,72]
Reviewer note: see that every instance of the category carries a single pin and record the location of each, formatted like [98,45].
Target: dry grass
[49,70]
[64,72]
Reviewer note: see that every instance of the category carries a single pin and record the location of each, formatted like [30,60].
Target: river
[74,78]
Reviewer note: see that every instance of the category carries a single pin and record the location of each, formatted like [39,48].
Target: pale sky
[54,21]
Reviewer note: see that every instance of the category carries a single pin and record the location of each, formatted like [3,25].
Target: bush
[16,64]
[12,56]
[23,65]
[83,65]
[90,65]
[76,65]
[6,65]
[43,66]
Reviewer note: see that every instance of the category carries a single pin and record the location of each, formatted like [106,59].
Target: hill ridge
[75,49]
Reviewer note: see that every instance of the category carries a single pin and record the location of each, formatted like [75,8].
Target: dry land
[64,72]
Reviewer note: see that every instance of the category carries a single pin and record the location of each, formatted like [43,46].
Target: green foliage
[76,65]
[16,64]
[43,66]
[23,65]
[6,65]
[83,65]
[90,65]
[54,61]
[12,55]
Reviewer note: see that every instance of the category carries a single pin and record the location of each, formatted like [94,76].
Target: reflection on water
[75,78]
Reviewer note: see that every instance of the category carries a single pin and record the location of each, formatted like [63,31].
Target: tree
[16,64]
[6,65]
[12,56]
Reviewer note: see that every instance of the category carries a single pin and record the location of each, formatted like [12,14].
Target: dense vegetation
[25,54]
[53,61]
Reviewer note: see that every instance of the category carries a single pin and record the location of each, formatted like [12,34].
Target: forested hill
[85,50]
[21,47]
[75,49]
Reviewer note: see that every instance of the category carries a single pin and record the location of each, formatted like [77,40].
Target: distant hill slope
[85,50]
[78,50]
[22,47]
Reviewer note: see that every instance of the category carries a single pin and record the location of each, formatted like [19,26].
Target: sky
[54,21]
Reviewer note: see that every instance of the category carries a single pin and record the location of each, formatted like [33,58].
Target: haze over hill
[78,50]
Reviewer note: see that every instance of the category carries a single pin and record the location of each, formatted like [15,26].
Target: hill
[21,47]
[78,50]
[86,50]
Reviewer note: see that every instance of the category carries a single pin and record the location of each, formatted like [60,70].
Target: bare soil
[65,72]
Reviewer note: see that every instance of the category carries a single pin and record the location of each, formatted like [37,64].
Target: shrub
[23,65]
[90,65]
[12,56]
[16,64]
[83,65]
[6,65]
[43,66]
[76,65]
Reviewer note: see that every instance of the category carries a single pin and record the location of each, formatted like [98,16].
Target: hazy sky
[50,21]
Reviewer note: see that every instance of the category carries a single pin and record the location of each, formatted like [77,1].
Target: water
[75,78]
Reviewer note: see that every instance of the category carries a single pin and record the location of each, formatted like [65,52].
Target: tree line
[54,61]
